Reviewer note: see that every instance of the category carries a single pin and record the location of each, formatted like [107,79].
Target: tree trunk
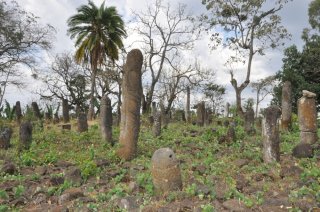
[238,102]
[130,109]
[93,85]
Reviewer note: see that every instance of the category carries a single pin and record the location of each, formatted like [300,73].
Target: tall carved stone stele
[156,130]
[36,110]
[82,122]
[249,121]
[165,170]
[227,110]
[187,112]
[286,107]
[65,111]
[270,135]
[201,112]
[18,112]
[5,137]
[307,115]
[25,135]
[130,109]
[106,119]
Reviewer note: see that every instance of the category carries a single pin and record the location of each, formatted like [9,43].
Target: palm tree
[99,32]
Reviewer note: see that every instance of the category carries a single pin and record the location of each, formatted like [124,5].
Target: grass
[51,145]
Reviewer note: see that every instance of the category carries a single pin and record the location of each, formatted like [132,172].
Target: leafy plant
[18,191]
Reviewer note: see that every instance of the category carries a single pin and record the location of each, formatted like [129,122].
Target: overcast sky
[56,12]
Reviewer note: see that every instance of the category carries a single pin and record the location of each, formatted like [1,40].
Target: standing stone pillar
[65,111]
[5,137]
[307,114]
[82,123]
[25,135]
[56,118]
[201,110]
[18,112]
[227,110]
[156,124]
[106,119]
[187,113]
[130,109]
[271,139]
[165,170]
[249,121]
[36,110]
[164,115]
[286,106]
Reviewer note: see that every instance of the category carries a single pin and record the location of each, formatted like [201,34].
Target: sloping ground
[80,172]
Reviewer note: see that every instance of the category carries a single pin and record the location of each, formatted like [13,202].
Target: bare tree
[21,40]
[263,88]
[178,77]
[165,30]
[65,79]
[250,28]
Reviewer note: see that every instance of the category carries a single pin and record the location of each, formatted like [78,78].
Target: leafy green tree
[214,93]
[249,29]
[99,32]
[300,68]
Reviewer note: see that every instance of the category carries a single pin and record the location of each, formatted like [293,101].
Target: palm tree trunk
[93,85]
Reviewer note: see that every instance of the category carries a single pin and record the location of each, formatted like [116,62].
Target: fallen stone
[303,150]
[9,168]
[221,188]
[70,194]
[128,204]
[308,94]
[241,162]
[55,181]
[234,205]
[74,176]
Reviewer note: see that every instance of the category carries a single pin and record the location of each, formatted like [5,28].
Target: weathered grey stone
[165,170]
[25,135]
[271,139]
[106,119]
[70,194]
[227,110]
[303,150]
[82,123]
[130,109]
[36,110]
[308,94]
[56,118]
[18,112]
[156,130]
[9,168]
[307,114]
[65,111]
[201,110]
[66,127]
[74,176]
[164,116]
[5,137]
[286,106]
[249,121]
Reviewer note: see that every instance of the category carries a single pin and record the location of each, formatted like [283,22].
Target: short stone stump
[165,170]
